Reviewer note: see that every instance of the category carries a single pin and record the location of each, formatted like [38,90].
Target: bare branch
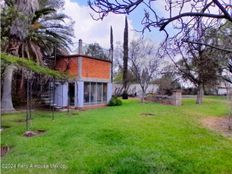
[208,45]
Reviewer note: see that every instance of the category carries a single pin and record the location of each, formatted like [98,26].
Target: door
[71,93]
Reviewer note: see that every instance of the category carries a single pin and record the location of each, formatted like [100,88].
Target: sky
[91,31]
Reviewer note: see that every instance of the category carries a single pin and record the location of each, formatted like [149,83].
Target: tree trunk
[142,98]
[6,104]
[21,89]
[200,93]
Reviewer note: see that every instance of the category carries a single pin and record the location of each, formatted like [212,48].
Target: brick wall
[63,63]
[93,68]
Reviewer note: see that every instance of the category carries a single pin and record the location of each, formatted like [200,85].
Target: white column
[76,94]
[109,91]
[80,94]
[65,94]
[79,62]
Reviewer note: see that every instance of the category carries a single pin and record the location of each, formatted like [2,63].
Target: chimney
[80,47]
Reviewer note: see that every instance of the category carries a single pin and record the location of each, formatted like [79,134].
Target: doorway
[71,94]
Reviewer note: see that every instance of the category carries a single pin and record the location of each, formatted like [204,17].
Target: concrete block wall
[177,98]
[109,91]
[80,96]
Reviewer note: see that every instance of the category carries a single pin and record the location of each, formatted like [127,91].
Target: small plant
[115,102]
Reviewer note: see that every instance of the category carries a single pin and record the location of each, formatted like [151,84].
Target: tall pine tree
[125,61]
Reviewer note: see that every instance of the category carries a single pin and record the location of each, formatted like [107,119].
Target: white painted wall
[80,95]
[135,88]
[109,91]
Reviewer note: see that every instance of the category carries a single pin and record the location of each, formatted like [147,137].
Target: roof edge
[82,55]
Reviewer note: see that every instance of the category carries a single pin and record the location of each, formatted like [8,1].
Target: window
[99,93]
[86,92]
[104,92]
[95,92]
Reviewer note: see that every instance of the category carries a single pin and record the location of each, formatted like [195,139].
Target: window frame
[96,84]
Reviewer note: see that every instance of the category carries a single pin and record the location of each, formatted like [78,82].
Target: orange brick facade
[67,65]
[91,67]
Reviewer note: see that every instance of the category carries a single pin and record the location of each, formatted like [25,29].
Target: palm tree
[33,34]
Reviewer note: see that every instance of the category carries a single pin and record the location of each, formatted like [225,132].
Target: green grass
[121,140]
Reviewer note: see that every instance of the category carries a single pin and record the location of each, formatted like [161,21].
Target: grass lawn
[121,140]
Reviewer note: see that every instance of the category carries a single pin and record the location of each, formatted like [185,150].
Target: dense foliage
[30,65]
[115,102]
[95,50]
[33,29]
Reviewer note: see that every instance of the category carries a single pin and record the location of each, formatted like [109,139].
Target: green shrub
[115,102]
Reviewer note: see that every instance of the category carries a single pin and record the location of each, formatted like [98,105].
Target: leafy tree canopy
[95,50]
[31,65]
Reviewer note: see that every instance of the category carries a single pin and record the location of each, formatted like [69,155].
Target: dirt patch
[219,124]
[147,114]
[34,133]
[4,150]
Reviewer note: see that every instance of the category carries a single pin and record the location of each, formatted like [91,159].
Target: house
[89,82]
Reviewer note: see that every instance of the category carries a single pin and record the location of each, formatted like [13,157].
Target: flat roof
[81,55]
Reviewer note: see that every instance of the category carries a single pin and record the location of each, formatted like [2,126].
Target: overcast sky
[91,31]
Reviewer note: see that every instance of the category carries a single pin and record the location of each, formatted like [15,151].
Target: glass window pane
[99,92]
[104,92]
[93,92]
[86,92]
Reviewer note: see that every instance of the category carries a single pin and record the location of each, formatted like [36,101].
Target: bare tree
[144,63]
[181,13]
[198,65]
[224,36]
[229,97]
[169,80]
[118,70]
[228,76]
[118,54]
